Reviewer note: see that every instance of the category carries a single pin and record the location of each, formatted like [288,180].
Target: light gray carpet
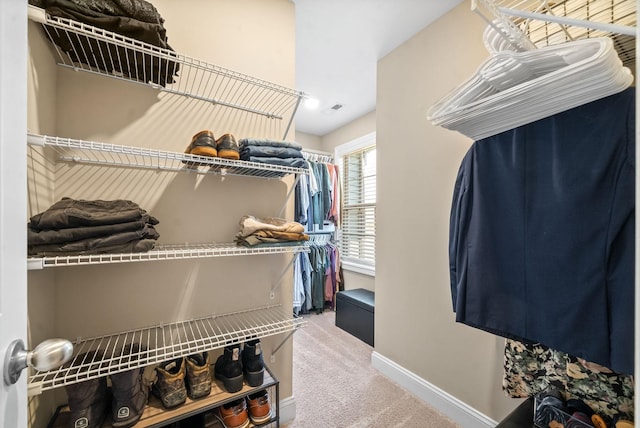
[334,384]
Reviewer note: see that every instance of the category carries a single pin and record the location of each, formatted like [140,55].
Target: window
[357,165]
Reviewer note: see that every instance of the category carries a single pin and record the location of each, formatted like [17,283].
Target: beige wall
[309,141]
[254,37]
[417,166]
[361,126]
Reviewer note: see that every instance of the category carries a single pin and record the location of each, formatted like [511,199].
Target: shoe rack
[155,416]
[206,83]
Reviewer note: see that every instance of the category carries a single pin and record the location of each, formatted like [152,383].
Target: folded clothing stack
[80,227]
[270,231]
[137,19]
[283,153]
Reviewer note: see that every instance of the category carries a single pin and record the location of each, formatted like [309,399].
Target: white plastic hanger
[511,88]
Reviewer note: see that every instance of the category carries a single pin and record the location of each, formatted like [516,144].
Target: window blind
[358,231]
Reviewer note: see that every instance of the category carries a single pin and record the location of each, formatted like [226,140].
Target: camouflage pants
[531,368]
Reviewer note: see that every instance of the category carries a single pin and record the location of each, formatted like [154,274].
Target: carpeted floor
[334,384]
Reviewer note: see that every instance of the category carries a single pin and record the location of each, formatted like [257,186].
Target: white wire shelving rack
[111,155]
[103,154]
[163,252]
[86,48]
[538,23]
[104,355]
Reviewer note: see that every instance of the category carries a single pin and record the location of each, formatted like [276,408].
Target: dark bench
[354,313]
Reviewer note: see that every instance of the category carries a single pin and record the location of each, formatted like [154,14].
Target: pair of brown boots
[182,377]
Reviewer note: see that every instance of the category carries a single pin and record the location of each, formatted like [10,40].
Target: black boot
[130,394]
[228,368]
[252,363]
[88,400]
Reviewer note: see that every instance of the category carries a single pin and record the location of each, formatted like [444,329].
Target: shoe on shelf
[234,414]
[202,144]
[228,368]
[88,400]
[252,363]
[170,385]
[198,375]
[227,147]
[259,407]
[130,394]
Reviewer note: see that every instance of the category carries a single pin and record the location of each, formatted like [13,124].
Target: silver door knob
[47,355]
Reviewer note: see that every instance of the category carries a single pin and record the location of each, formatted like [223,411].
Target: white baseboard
[445,403]
[287,409]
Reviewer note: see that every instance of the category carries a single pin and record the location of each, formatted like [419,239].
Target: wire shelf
[97,153]
[101,356]
[164,252]
[86,48]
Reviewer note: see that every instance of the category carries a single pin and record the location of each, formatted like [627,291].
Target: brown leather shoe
[227,147]
[234,414]
[203,144]
[259,407]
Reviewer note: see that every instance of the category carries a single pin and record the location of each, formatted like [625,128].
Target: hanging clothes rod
[503,17]
[320,157]
[563,20]
[503,26]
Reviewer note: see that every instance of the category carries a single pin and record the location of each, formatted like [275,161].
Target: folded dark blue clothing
[293,162]
[270,151]
[266,142]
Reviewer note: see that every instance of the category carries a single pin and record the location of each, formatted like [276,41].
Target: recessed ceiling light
[311,103]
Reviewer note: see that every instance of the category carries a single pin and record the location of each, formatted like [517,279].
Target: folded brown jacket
[250,224]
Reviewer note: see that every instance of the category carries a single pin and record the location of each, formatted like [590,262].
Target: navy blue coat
[542,233]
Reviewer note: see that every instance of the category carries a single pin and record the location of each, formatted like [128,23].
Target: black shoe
[130,394]
[252,363]
[228,368]
[88,400]
[227,147]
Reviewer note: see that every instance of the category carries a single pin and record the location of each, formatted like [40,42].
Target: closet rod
[610,28]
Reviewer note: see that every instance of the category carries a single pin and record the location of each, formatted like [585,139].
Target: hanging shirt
[542,233]
[301,283]
[302,199]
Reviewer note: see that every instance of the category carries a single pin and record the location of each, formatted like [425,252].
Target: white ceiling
[338,44]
